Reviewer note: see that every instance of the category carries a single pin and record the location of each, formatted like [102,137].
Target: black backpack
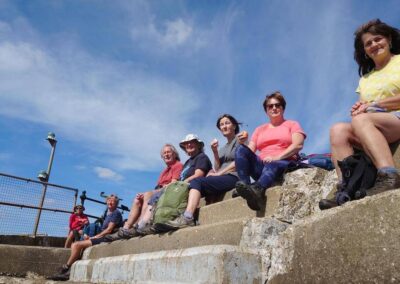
[358,174]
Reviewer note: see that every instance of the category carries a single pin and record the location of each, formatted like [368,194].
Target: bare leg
[146,216]
[76,250]
[193,201]
[69,240]
[134,213]
[375,131]
[342,140]
[146,198]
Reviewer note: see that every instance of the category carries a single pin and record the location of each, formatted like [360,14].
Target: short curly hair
[275,95]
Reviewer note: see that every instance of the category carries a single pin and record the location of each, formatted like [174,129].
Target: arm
[294,148]
[111,226]
[197,173]
[252,146]
[227,169]
[214,148]
[391,103]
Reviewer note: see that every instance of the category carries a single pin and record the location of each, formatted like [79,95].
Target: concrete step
[236,208]
[18,260]
[223,233]
[207,264]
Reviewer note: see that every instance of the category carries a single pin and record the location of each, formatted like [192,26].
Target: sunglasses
[271,106]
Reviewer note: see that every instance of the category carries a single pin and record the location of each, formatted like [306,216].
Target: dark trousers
[214,185]
[248,164]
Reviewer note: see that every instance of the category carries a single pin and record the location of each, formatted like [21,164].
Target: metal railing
[84,197]
[33,207]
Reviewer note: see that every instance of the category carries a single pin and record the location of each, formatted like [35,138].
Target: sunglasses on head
[271,106]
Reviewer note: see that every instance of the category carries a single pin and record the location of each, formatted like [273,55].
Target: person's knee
[360,120]
[147,195]
[136,202]
[194,192]
[340,133]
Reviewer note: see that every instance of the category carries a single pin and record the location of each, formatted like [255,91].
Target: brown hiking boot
[385,181]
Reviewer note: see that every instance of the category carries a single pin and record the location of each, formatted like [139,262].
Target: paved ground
[29,279]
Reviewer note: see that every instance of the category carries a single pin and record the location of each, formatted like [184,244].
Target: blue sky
[115,80]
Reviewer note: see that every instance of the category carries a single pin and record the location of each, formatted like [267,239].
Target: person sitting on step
[375,118]
[278,143]
[112,221]
[198,165]
[219,181]
[171,173]
[77,221]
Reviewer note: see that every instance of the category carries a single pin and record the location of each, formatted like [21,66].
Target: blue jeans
[91,230]
[248,164]
[214,185]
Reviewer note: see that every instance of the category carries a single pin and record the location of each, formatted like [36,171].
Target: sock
[388,170]
[188,215]
[141,225]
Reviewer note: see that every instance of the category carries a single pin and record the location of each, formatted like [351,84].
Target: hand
[214,145]
[212,173]
[242,137]
[358,107]
[270,159]
[139,196]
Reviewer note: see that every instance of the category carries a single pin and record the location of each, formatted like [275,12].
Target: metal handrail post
[53,149]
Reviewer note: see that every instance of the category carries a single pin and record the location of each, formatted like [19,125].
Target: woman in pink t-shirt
[277,143]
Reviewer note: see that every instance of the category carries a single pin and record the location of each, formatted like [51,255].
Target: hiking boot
[146,230]
[385,181]
[127,233]
[327,203]
[180,222]
[64,269]
[63,275]
[235,193]
[254,195]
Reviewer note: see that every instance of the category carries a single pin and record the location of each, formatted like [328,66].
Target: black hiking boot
[254,195]
[63,274]
[325,204]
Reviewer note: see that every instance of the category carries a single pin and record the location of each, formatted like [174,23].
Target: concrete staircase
[222,249]
[208,253]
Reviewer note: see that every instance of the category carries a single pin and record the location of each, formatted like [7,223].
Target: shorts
[156,196]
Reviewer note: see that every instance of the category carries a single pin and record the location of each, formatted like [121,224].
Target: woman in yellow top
[375,121]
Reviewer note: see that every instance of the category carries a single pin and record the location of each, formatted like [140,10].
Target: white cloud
[106,173]
[108,107]
[171,34]
[177,32]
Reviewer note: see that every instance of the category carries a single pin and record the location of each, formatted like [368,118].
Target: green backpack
[172,202]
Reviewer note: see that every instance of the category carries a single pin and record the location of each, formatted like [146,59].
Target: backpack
[318,160]
[358,175]
[171,204]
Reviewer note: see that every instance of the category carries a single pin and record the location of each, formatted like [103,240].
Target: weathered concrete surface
[301,192]
[19,260]
[208,264]
[355,243]
[227,233]
[230,209]
[261,235]
[42,241]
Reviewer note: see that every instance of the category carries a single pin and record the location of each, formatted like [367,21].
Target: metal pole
[53,149]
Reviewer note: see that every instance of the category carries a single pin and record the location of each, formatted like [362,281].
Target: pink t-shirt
[271,141]
[170,173]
